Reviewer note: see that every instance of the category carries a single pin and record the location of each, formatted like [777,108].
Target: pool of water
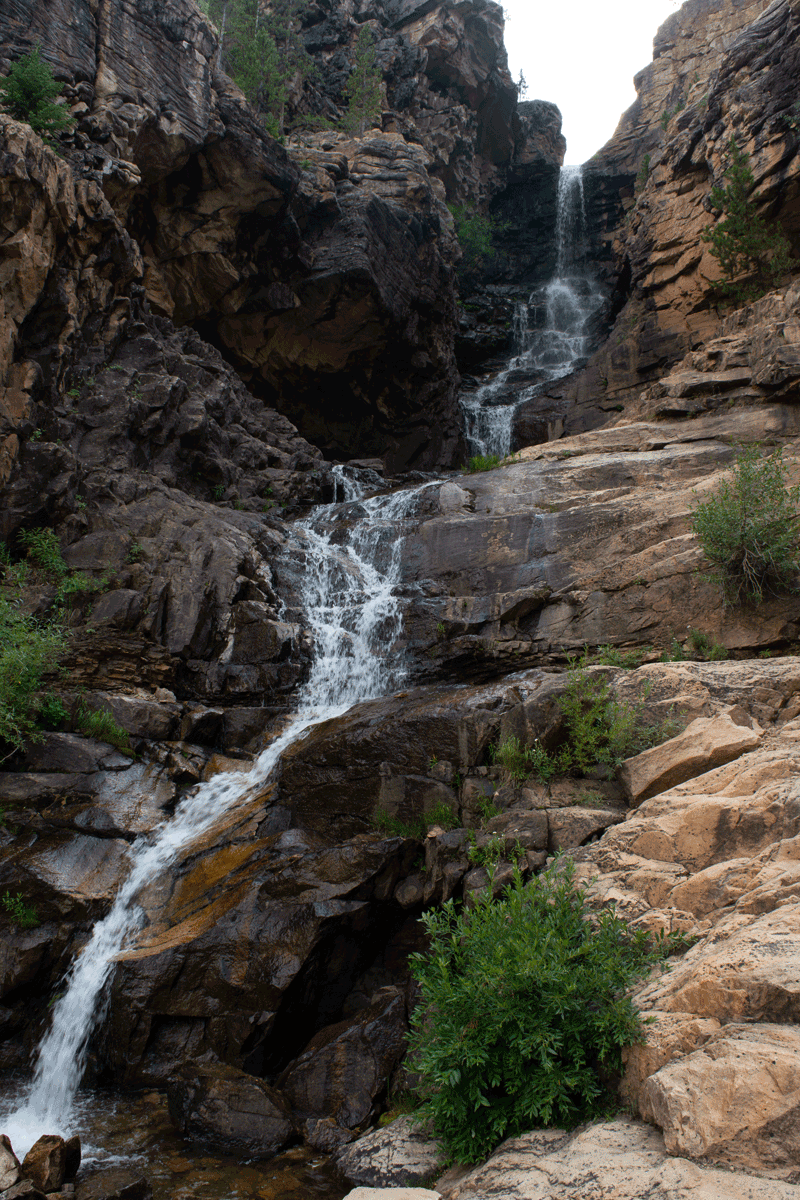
[134,1130]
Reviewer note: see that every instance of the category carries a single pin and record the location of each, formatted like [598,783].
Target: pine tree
[363,88]
[28,94]
[753,254]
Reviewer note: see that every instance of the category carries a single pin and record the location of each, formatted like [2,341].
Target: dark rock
[26,1189]
[45,1163]
[72,1163]
[113,1183]
[229,1111]
[344,1067]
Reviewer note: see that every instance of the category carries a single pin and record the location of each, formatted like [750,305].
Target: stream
[350,568]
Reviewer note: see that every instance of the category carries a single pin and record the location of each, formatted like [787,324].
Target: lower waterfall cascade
[551,330]
[351,555]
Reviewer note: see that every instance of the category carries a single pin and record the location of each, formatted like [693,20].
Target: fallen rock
[412,1193]
[704,744]
[45,1163]
[72,1163]
[230,1111]
[398,1155]
[9,1164]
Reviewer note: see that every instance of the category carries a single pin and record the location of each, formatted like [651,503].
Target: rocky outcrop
[718,72]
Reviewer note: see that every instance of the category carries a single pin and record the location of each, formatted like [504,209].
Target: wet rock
[399,1155]
[343,1068]
[113,1183]
[229,1111]
[45,1163]
[26,1189]
[72,1163]
[9,1164]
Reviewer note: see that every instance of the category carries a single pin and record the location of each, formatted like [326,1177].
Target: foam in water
[353,613]
[571,300]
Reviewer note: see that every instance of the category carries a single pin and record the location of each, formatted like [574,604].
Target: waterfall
[542,350]
[350,572]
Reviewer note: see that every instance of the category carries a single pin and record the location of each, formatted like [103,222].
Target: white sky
[583,55]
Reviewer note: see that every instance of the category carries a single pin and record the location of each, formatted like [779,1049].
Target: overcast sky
[583,55]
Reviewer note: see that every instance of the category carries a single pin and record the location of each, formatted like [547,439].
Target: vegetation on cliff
[523,1014]
[748,528]
[29,94]
[754,255]
[363,87]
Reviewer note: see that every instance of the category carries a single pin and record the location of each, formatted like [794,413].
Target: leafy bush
[52,711]
[44,549]
[28,650]
[753,254]
[393,826]
[522,1013]
[483,462]
[23,915]
[748,529]
[475,232]
[99,723]
[28,93]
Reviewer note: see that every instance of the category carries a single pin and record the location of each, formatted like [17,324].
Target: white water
[350,606]
[571,299]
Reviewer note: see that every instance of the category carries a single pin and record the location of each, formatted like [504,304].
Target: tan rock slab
[413,1193]
[736,1100]
[619,1160]
[706,743]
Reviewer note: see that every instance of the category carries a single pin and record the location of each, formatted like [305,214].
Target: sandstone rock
[704,744]
[229,1111]
[399,1155]
[45,1163]
[26,1189]
[569,827]
[732,1101]
[620,1158]
[411,1193]
[9,1164]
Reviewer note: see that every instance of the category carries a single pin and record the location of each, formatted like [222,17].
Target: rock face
[229,1111]
[719,71]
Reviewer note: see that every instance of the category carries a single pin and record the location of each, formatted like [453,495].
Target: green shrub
[610,656]
[522,1012]
[44,549]
[28,93]
[393,826]
[28,650]
[442,814]
[748,529]
[491,852]
[53,712]
[99,723]
[642,174]
[23,915]
[363,88]
[753,254]
[483,462]
[475,232]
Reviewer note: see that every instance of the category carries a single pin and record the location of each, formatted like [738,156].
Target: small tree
[748,529]
[475,232]
[363,87]
[753,254]
[28,93]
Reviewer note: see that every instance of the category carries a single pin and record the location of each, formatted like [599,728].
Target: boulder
[402,1193]
[229,1111]
[735,1100]
[399,1155]
[45,1163]
[704,744]
[570,827]
[9,1164]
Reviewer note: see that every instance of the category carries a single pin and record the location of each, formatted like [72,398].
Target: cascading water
[350,606]
[543,350]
